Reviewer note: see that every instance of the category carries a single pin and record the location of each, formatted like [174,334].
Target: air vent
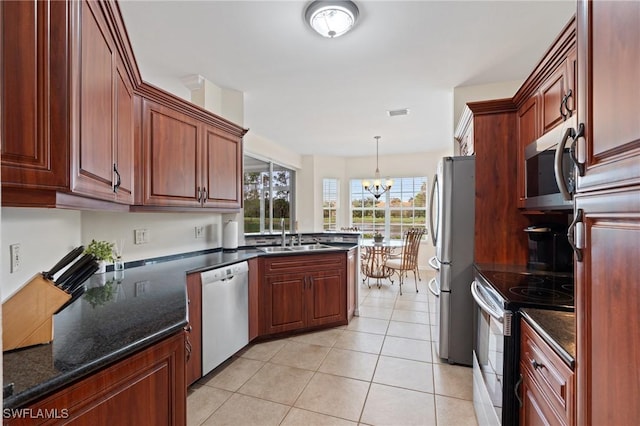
[397,112]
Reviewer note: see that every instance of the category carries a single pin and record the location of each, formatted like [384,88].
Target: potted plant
[102,251]
[378,237]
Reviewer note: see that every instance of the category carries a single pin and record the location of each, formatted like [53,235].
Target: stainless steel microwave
[547,162]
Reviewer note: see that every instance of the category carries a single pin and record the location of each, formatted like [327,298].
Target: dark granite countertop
[109,322]
[557,328]
[113,319]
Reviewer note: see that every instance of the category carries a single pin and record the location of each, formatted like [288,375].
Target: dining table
[374,257]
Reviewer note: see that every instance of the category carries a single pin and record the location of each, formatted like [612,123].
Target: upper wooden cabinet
[68,126]
[547,98]
[609,94]
[188,163]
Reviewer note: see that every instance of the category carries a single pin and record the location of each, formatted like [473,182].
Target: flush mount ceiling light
[377,189]
[331,18]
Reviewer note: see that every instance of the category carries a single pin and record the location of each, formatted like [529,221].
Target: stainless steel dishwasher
[225,313]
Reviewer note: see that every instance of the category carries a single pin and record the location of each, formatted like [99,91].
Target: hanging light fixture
[331,18]
[377,189]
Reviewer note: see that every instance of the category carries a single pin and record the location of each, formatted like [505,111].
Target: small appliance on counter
[549,248]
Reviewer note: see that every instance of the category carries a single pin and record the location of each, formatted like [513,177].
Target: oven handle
[433,262]
[436,293]
[483,304]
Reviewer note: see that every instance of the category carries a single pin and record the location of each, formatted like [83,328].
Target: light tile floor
[381,369]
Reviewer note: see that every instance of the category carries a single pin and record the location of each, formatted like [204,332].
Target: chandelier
[377,189]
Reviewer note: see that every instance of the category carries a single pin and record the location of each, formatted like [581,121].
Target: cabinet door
[607,295]
[35,137]
[124,148]
[527,120]
[171,157]
[147,388]
[94,130]
[609,93]
[223,169]
[326,297]
[552,93]
[284,302]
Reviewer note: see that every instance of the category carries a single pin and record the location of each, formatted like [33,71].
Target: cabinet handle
[205,194]
[118,180]
[536,365]
[517,392]
[188,348]
[571,234]
[200,195]
[564,107]
[572,151]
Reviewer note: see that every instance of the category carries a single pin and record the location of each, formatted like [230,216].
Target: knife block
[27,316]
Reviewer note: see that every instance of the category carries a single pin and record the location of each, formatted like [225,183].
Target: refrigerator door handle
[432,229]
[484,304]
[433,262]
[432,283]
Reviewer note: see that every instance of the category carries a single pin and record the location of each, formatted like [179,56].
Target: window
[268,196]
[402,207]
[329,204]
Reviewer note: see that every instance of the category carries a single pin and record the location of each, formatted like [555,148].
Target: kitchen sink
[310,247]
[289,249]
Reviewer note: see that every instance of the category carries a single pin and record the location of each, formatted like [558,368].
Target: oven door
[491,322]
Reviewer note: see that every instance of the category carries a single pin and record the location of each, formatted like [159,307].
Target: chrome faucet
[284,242]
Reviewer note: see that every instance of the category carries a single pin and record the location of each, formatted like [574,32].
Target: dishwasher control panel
[224,272]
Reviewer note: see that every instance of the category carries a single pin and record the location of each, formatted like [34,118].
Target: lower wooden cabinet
[147,388]
[300,292]
[547,383]
[194,336]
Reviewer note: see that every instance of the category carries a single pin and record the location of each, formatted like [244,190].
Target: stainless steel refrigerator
[452,216]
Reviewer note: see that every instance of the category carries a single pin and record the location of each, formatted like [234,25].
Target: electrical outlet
[16,257]
[199,231]
[141,236]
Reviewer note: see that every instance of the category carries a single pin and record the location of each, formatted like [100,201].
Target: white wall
[483,92]
[44,235]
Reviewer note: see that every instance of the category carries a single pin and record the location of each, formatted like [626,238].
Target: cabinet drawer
[304,263]
[548,371]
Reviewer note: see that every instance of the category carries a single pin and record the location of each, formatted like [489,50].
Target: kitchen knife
[78,279]
[69,257]
[74,269]
[79,291]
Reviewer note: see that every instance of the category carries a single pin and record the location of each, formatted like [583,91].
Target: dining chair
[408,259]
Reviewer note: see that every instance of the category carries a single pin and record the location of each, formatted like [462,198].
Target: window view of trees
[402,207]
[267,196]
[329,203]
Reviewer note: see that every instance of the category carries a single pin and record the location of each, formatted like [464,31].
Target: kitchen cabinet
[607,297]
[547,384]
[494,130]
[606,230]
[194,362]
[609,94]
[547,97]
[147,388]
[69,129]
[301,292]
[188,163]
[464,133]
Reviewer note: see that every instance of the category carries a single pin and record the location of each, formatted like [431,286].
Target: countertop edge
[47,388]
[567,358]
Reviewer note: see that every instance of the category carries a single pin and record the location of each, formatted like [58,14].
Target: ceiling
[323,96]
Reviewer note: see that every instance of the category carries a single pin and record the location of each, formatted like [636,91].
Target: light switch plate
[16,257]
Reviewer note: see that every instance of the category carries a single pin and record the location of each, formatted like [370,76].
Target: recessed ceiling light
[397,112]
[331,18]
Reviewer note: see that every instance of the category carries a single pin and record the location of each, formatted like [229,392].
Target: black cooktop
[527,288]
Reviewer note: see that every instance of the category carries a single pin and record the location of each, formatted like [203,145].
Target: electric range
[500,291]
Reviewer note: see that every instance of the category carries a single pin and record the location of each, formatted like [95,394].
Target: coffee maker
[549,248]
